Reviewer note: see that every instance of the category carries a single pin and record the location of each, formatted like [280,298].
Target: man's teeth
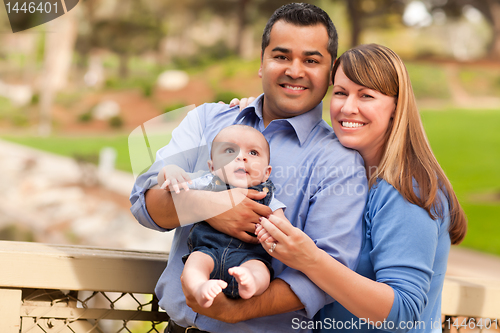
[351,125]
[294,88]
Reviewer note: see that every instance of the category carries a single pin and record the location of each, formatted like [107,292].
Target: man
[321,183]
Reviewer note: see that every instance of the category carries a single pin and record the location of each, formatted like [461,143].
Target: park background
[87,79]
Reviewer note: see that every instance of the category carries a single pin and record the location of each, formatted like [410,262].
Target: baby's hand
[172,177]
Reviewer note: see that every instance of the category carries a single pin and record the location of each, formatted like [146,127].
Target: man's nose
[295,70]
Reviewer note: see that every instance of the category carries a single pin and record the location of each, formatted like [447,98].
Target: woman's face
[360,116]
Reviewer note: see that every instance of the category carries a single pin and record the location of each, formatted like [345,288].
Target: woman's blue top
[406,249]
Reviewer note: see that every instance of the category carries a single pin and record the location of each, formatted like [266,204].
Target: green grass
[465,142]
[467,145]
[86,146]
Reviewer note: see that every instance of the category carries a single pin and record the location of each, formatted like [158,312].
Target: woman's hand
[293,247]
[243,103]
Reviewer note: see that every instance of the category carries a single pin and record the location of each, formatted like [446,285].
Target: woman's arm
[403,253]
[295,249]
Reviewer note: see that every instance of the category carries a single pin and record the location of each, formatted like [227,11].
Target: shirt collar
[302,124]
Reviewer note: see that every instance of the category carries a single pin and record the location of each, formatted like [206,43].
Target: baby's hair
[245,127]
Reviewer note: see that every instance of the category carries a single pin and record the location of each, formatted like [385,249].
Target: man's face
[295,70]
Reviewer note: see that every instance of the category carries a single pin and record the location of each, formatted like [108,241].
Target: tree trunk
[242,22]
[355,19]
[59,45]
[495,15]
[123,69]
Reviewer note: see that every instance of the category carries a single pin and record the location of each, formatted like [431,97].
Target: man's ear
[331,71]
[261,59]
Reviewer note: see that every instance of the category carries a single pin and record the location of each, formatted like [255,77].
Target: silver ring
[271,250]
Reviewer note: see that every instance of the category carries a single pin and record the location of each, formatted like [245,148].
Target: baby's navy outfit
[227,251]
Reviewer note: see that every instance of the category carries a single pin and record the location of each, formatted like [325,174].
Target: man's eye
[229,150]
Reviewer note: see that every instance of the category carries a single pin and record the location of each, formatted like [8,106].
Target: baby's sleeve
[275,204]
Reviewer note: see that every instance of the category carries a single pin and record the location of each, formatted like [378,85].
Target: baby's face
[240,157]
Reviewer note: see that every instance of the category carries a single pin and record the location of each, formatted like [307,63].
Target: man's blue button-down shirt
[322,184]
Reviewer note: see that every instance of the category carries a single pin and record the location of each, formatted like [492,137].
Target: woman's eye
[340,93]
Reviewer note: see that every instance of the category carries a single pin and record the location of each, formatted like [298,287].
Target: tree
[134,28]
[490,9]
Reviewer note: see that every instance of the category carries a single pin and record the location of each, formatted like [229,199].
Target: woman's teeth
[351,125]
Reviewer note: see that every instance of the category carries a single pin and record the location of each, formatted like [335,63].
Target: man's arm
[278,298]
[232,212]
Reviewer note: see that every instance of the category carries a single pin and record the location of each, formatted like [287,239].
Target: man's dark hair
[303,14]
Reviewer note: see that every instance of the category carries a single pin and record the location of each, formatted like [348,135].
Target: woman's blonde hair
[407,155]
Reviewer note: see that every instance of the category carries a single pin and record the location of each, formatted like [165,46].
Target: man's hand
[237,221]
[277,299]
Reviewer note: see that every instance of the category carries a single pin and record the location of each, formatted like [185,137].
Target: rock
[19,94]
[173,80]
[106,110]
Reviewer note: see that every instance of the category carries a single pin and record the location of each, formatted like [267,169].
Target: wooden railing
[54,288]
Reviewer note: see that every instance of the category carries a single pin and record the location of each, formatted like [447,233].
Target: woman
[411,217]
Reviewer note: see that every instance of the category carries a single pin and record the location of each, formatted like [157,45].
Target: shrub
[226,96]
[116,122]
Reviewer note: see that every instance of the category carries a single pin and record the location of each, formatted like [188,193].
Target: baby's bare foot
[207,292]
[247,285]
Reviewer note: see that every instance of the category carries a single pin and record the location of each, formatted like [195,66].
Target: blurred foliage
[85,117]
[115,122]
[16,232]
[16,116]
[226,96]
[480,82]
[174,106]
[488,8]
[429,81]
[204,57]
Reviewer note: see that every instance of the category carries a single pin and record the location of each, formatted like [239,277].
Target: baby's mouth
[240,171]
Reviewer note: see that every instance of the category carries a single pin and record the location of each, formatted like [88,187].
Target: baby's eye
[229,151]
[254,152]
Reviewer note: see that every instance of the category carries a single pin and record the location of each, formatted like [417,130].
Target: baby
[239,158]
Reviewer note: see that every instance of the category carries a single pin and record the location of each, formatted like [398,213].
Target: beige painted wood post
[10,310]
